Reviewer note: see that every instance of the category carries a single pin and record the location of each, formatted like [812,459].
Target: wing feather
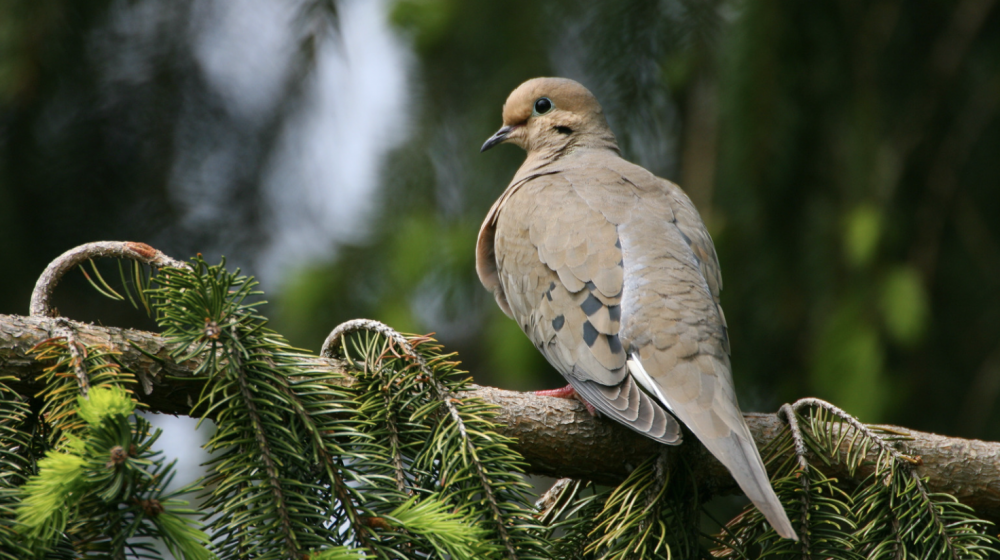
[565,291]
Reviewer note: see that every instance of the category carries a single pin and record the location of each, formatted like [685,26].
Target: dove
[611,273]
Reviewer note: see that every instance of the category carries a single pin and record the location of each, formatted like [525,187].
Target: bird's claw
[568,392]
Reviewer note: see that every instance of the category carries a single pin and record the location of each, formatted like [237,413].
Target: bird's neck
[542,162]
[559,147]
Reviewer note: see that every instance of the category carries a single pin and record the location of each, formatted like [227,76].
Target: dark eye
[543,105]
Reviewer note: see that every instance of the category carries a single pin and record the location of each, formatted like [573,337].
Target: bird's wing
[565,291]
[672,325]
[693,233]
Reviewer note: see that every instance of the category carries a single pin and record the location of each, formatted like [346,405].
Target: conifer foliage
[394,461]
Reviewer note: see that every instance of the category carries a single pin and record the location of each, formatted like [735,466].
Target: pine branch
[556,436]
[268,458]
[445,438]
[272,492]
[444,396]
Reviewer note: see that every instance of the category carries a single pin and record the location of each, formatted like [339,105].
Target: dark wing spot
[591,305]
[614,343]
[589,333]
[686,238]
[558,322]
[615,311]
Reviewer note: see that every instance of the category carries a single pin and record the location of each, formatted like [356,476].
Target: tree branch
[65,262]
[556,436]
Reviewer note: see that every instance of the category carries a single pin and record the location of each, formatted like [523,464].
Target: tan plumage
[611,273]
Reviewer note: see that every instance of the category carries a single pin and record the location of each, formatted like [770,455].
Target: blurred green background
[845,155]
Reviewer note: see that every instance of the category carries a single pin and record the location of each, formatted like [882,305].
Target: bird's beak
[497,138]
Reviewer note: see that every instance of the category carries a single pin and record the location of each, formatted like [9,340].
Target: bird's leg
[567,392]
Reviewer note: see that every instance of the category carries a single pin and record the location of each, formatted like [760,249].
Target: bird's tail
[739,454]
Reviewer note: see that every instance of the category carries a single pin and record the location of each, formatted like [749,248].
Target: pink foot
[567,392]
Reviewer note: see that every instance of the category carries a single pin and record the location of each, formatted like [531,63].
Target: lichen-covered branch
[556,436]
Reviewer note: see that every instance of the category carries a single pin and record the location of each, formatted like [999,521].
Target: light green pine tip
[43,510]
[102,402]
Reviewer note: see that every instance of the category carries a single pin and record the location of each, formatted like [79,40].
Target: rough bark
[556,436]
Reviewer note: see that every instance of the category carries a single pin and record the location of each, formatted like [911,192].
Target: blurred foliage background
[845,154]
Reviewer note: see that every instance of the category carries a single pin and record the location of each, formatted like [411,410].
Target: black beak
[500,136]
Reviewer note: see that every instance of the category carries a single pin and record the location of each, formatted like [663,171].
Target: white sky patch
[180,441]
[321,184]
[243,47]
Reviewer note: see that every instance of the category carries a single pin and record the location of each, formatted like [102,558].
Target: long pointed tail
[739,454]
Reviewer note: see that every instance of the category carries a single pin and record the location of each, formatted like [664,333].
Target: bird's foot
[567,392]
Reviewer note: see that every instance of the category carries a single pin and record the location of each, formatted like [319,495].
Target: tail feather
[628,404]
[739,454]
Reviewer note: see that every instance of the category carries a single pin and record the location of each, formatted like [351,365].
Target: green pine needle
[450,531]
[50,496]
[396,462]
[102,403]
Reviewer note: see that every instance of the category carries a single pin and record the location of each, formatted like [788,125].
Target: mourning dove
[611,273]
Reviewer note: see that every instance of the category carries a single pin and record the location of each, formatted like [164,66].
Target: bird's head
[550,115]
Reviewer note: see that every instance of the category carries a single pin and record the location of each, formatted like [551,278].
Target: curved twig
[334,340]
[854,423]
[789,412]
[65,262]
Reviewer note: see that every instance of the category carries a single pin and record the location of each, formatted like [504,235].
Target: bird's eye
[543,105]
